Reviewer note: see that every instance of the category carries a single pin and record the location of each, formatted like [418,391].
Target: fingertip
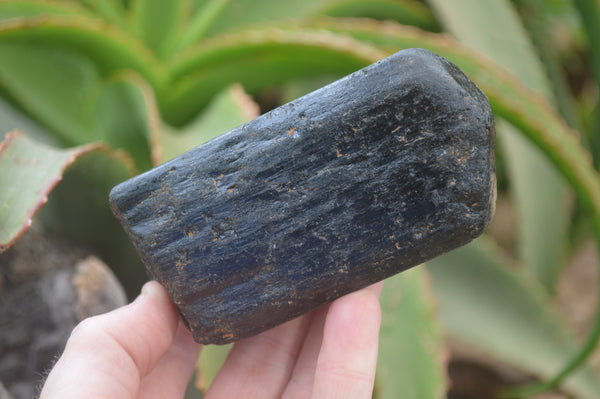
[152,289]
[376,288]
[357,308]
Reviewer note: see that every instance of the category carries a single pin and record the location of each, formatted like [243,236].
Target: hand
[142,350]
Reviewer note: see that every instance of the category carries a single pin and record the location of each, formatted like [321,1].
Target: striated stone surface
[362,179]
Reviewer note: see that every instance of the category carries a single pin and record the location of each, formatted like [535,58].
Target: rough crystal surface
[357,181]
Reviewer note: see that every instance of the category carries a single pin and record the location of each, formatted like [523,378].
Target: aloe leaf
[156,22]
[64,90]
[241,14]
[590,15]
[204,17]
[125,116]
[411,355]
[110,10]
[53,85]
[490,19]
[227,110]
[12,118]
[210,362]
[29,8]
[486,302]
[560,145]
[540,196]
[28,172]
[257,59]
[407,12]
[109,48]
[541,238]
[545,22]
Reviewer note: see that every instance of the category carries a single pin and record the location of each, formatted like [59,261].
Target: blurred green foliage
[145,80]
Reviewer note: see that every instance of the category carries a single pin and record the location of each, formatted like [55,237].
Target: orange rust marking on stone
[339,154]
[291,131]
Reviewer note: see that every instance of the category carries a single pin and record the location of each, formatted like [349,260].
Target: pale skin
[142,350]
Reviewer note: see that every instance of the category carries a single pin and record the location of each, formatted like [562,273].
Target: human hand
[142,350]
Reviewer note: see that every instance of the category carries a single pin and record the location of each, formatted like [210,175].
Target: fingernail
[146,291]
[154,289]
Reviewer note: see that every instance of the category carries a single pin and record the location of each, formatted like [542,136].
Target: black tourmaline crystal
[362,179]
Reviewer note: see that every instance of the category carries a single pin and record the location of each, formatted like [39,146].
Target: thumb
[106,356]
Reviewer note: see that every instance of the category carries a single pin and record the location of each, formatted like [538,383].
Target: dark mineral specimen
[362,179]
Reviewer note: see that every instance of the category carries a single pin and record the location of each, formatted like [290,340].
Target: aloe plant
[102,90]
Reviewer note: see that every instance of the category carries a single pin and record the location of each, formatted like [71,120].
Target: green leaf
[484,301]
[109,48]
[111,10]
[540,196]
[246,13]
[226,15]
[411,360]
[477,24]
[28,172]
[52,84]
[546,22]
[13,119]
[590,15]
[257,59]
[253,13]
[539,192]
[204,17]
[229,109]
[125,117]
[407,12]
[210,362]
[29,8]
[156,21]
[64,90]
